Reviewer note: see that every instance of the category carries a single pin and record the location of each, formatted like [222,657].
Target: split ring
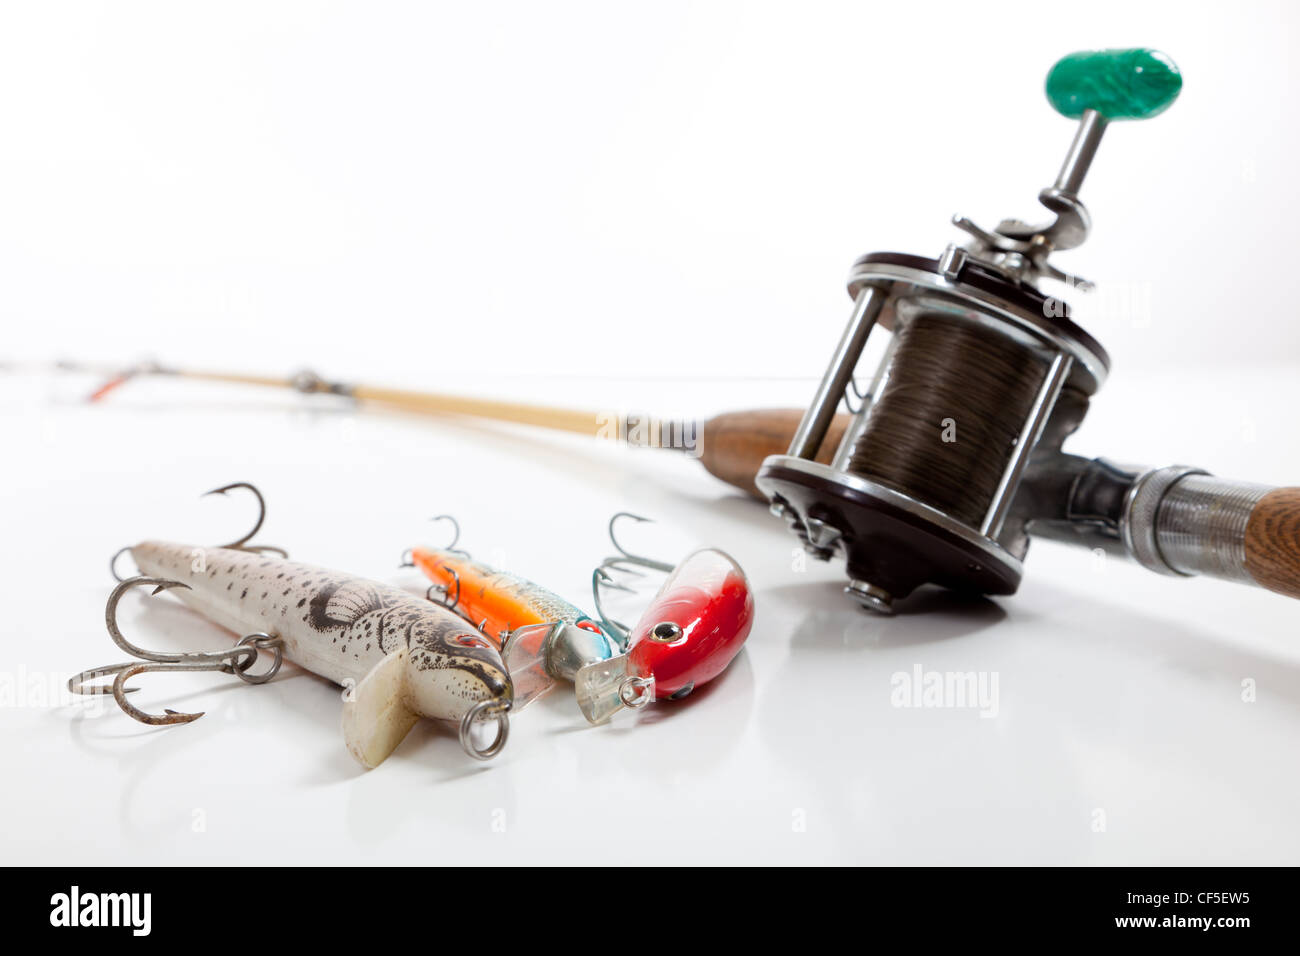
[503,729]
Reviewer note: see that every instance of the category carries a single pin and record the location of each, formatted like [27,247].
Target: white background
[622,206]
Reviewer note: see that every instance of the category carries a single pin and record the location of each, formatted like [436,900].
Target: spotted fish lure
[401,657]
[543,638]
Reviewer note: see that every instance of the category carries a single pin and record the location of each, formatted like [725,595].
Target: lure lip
[603,688]
[538,656]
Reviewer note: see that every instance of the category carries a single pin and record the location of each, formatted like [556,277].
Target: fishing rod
[731,446]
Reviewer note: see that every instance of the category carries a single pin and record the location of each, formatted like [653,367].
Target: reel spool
[980,366]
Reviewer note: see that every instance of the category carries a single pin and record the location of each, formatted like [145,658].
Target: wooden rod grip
[734,444]
[1273,542]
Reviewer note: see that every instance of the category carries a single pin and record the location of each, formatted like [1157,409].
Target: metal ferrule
[1137,525]
[1201,526]
[1181,520]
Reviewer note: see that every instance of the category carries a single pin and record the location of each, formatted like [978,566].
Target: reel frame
[891,541]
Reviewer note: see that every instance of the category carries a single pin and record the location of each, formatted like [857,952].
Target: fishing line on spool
[943,371]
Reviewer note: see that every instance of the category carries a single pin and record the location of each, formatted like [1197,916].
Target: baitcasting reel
[954,456]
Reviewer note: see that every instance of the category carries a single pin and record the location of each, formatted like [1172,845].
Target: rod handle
[734,444]
[1273,542]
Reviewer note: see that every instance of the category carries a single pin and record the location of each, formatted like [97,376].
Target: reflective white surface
[1119,695]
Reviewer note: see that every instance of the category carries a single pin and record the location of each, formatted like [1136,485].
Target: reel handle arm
[1097,86]
[1082,150]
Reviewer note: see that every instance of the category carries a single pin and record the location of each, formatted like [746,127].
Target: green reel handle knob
[1118,84]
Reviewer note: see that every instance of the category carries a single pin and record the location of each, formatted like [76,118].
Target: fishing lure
[542,637]
[401,657]
[689,634]
[691,631]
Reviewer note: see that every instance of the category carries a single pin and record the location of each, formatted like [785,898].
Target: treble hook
[406,559]
[449,605]
[112,563]
[617,629]
[626,555]
[241,544]
[601,577]
[455,534]
[236,660]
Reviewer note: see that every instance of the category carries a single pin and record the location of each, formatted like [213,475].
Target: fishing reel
[954,456]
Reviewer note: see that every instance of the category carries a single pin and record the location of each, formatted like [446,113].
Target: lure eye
[665,632]
[468,640]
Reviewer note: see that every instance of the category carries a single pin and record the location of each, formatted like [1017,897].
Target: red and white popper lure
[694,627]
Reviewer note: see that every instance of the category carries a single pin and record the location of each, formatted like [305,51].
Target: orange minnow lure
[542,637]
[498,601]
